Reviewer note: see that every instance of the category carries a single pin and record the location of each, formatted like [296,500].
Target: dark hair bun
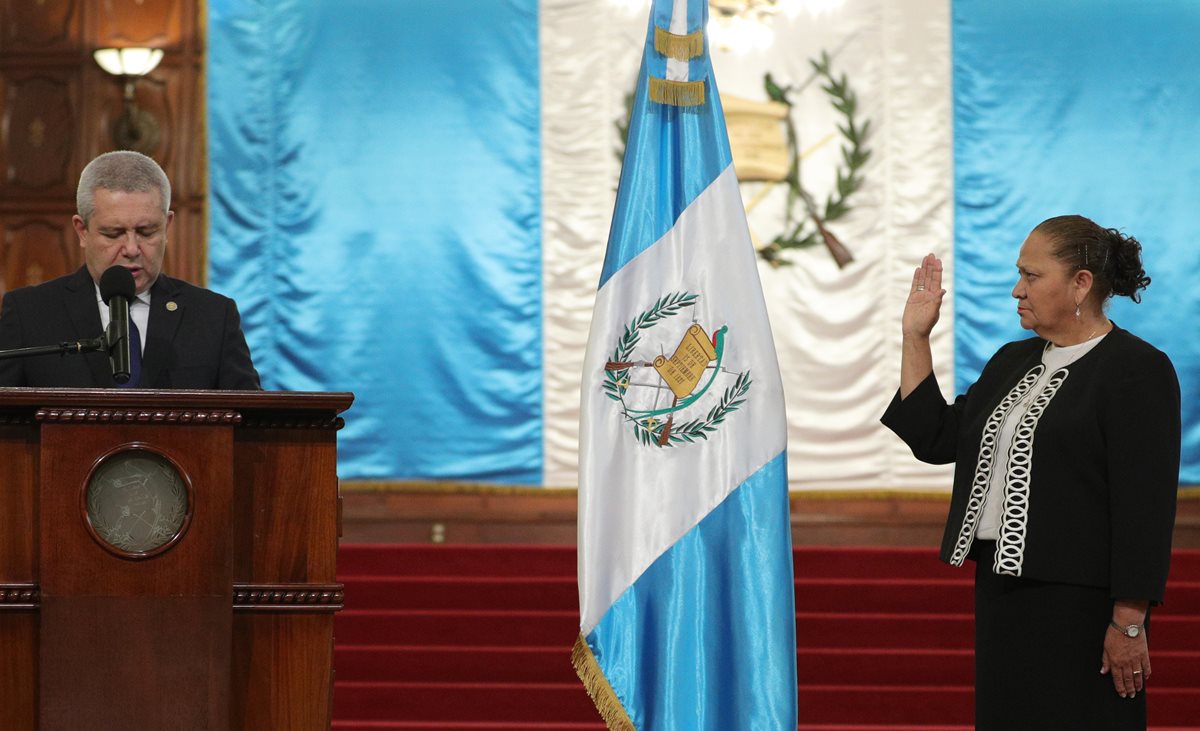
[1125,265]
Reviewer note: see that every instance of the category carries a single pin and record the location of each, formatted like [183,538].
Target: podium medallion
[137,502]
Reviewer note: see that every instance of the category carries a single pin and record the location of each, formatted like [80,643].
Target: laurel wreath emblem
[649,430]
[808,227]
[849,175]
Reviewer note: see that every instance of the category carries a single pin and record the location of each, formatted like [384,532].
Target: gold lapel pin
[171,307]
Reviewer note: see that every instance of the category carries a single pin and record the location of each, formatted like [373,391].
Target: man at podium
[180,335]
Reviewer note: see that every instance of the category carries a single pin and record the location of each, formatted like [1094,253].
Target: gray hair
[123,170]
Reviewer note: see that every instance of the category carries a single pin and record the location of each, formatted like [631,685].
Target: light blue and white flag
[685,570]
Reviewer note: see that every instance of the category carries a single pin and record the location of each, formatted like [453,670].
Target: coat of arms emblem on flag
[652,393]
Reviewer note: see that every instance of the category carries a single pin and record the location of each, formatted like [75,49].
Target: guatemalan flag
[685,571]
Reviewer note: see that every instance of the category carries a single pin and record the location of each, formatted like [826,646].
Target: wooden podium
[167,559]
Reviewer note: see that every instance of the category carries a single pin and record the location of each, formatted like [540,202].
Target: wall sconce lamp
[136,129]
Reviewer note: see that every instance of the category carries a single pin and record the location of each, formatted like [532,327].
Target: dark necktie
[135,356]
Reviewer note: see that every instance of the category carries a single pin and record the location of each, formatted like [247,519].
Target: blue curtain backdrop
[374,210]
[1079,106]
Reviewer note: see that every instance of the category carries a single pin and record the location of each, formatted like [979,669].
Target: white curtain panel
[837,331]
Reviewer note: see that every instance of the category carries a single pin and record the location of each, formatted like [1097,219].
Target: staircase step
[402,559]
[562,594]
[923,706]
[927,727]
[479,702]
[413,653]
[876,595]
[506,628]
[381,559]
[455,592]
[403,663]
[880,727]
[467,726]
[902,667]
[440,627]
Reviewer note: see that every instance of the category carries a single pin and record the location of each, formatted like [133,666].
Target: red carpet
[465,638]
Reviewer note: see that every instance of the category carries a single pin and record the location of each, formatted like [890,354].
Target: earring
[1076,312]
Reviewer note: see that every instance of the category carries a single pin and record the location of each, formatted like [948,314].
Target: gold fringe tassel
[677,93]
[597,687]
[676,46]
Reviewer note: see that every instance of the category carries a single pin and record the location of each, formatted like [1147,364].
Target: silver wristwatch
[1131,630]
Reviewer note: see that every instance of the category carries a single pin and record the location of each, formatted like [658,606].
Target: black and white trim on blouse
[986,461]
[1010,548]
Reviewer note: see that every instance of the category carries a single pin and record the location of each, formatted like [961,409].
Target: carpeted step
[879,727]
[814,562]
[524,628]
[838,629]
[876,666]
[457,592]
[920,705]
[404,663]
[403,559]
[478,637]
[1182,597]
[927,727]
[550,593]
[942,596]
[913,705]
[560,561]
[441,627]
[479,702]
[468,726]
[560,594]
[840,666]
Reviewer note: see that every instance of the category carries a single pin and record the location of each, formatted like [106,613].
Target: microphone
[117,289]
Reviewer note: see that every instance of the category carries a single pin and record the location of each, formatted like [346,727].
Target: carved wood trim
[281,421]
[122,416]
[288,597]
[15,418]
[20,596]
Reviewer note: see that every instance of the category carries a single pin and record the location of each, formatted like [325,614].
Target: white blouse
[1053,358]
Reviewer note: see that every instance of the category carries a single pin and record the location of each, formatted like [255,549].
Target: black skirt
[1038,651]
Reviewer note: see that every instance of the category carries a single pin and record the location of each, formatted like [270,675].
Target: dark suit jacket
[195,343]
[1096,505]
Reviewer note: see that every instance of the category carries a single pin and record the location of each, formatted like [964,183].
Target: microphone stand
[63,348]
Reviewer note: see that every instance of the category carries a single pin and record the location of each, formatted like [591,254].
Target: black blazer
[194,337]
[1096,506]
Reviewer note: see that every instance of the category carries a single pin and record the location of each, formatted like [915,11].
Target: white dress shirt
[139,313]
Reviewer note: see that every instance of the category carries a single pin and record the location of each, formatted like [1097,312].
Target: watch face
[1133,630]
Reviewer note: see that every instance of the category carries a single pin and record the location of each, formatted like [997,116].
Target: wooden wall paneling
[34,249]
[192,159]
[58,110]
[39,132]
[158,94]
[185,250]
[157,23]
[39,26]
